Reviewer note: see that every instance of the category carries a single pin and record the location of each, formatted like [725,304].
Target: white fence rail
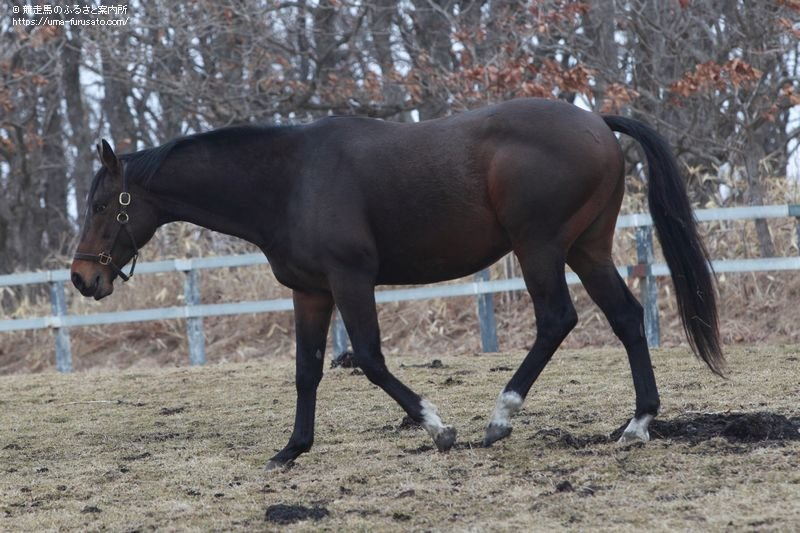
[482,288]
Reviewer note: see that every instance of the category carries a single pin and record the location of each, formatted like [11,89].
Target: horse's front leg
[355,298]
[312,316]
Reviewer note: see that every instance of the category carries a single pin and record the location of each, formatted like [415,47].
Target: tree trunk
[432,29]
[117,90]
[755,195]
[600,22]
[54,230]
[383,13]
[78,118]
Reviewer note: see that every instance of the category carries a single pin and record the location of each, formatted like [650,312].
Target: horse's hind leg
[355,298]
[543,270]
[312,314]
[599,276]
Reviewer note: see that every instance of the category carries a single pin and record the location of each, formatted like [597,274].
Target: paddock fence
[481,287]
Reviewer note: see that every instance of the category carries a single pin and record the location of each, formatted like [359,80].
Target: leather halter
[104,257]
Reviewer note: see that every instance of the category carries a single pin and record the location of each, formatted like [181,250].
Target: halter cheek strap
[104,257]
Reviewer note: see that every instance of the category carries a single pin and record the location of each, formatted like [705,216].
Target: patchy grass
[184,449]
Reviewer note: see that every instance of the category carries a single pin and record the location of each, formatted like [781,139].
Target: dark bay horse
[343,204]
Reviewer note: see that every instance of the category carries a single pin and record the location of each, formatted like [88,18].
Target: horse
[343,204]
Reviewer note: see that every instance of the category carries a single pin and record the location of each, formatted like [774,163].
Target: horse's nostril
[77,280]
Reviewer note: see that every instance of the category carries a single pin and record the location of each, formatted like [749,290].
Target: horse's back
[443,198]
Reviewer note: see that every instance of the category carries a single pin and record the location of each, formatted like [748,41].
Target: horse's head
[120,218]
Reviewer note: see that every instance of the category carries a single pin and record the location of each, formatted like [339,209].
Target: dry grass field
[184,449]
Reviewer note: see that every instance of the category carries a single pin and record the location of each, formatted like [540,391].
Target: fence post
[794,211]
[486,318]
[58,303]
[340,339]
[194,325]
[649,288]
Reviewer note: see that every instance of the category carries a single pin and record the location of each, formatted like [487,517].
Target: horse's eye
[98,207]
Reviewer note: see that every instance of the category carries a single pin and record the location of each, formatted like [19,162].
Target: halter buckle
[104,258]
[125,198]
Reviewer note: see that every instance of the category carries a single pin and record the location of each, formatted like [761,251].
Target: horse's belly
[440,257]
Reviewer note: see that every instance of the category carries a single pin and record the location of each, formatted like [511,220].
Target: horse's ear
[108,158]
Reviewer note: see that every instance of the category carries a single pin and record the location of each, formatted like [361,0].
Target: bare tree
[718,77]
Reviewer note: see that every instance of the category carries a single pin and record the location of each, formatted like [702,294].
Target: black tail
[685,253]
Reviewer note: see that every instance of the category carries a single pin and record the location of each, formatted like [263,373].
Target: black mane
[141,166]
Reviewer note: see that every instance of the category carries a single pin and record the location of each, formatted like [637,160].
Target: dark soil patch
[363,512]
[565,439]
[281,513]
[343,360]
[409,423]
[436,363]
[347,360]
[564,486]
[136,457]
[735,427]
[169,411]
[695,428]
[418,450]
[156,437]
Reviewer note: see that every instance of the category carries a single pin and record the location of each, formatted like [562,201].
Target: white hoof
[637,430]
[443,436]
[506,406]
[499,427]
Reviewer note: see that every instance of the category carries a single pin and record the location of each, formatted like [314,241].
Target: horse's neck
[239,193]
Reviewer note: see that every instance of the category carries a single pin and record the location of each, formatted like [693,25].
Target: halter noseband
[104,258]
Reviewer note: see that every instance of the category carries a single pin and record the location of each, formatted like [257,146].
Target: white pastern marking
[507,405]
[637,430]
[430,419]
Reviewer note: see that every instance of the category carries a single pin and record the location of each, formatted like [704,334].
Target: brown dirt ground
[183,448]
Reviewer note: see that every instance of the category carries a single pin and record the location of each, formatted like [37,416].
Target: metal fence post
[194,325]
[340,339]
[649,288]
[486,318]
[58,303]
[794,211]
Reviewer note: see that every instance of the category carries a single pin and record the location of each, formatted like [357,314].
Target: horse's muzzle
[93,284]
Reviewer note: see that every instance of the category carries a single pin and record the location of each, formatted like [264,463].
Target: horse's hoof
[633,437]
[495,433]
[445,438]
[274,466]
[636,430]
